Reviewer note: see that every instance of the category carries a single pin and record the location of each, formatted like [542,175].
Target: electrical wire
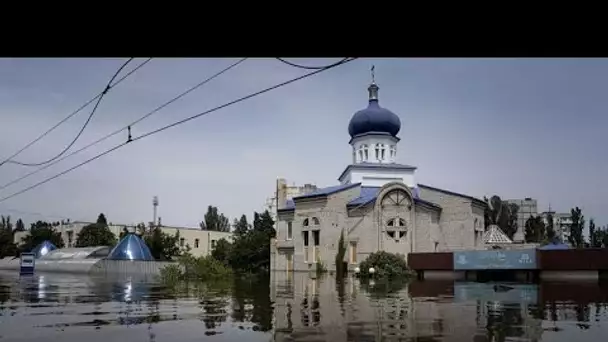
[98,97]
[200,84]
[173,125]
[310,67]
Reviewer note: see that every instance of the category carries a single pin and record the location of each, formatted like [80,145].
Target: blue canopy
[43,249]
[554,246]
[131,247]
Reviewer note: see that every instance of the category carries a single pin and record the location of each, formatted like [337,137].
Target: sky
[512,127]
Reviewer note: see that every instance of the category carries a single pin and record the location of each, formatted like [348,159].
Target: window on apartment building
[289,231]
[181,242]
[196,243]
[305,222]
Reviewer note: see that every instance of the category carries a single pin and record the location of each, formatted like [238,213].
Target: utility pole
[155,205]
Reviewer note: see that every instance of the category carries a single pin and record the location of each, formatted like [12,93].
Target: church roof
[374,119]
[327,191]
[369,194]
[375,166]
[495,235]
[448,192]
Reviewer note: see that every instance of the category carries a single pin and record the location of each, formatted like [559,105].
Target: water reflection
[308,308]
[297,307]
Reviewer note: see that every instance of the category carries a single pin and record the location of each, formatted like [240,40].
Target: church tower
[373,138]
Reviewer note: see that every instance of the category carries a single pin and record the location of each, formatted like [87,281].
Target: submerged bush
[386,265]
[193,268]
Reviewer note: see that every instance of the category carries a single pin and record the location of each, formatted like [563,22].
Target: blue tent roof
[554,246]
[131,247]
[43,249]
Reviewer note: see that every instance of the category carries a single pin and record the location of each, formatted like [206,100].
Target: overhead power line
[127,127]
[98,97]
[300,66]
[173,125]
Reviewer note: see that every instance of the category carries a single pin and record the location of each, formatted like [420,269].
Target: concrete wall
[112,267]
[457,220]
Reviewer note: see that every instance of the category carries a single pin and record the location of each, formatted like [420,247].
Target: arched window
[315,221]
[382,151]
[396,222]
[305,222]
[377,151]
[393,151]
[360,155]
[365,153]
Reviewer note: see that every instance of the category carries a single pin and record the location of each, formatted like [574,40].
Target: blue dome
[43,249]
[374,119]
[131,247]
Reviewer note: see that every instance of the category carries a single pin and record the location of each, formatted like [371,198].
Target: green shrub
[321,268]
[386,265]
[171,274]
[192,268]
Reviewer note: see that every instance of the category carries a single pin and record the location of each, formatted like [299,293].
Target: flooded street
[297,307]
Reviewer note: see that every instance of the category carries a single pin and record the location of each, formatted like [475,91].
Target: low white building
[201,242]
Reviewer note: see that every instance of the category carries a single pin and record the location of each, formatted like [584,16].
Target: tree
[592,234]
[250,251]
[535,230]
[41,231]
[95,234]
[241,226]
[340,269]
[576,229]
[549,228]
[502,214]
[163,246]
[7,243]
[19,226]
[215,221]
[223,251]
[6,223]
[101,219]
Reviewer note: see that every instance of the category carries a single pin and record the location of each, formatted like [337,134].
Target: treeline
[542,231]
[163,246]
[249,251]
[502,214]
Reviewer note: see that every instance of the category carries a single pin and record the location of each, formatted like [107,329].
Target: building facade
[561,223]
[527,208]
[287,192]
[378,205]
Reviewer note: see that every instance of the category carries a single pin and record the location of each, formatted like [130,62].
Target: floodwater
[297,307]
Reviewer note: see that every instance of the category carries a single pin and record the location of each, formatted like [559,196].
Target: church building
[377,204]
